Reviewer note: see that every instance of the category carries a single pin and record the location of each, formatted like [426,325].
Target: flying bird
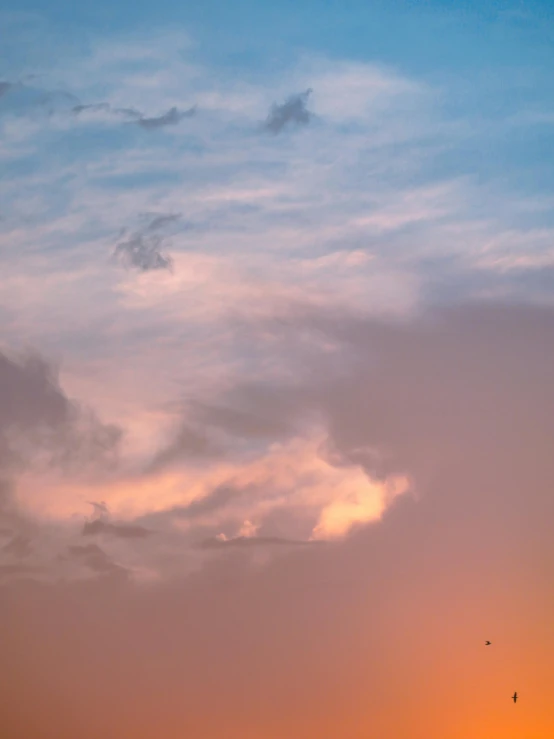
[514,697]
[487,643]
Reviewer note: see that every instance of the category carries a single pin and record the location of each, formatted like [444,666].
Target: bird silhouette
[514,697]
[487,643]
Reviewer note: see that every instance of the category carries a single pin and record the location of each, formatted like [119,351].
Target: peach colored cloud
[292,476]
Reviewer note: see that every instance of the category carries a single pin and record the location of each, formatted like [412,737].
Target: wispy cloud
[107,108]
[170,118]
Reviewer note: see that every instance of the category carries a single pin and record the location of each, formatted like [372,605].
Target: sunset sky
[276,369]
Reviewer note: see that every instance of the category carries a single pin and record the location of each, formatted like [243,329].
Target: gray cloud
[162,220]
[36,415]
[91,106]
[188,443]
[292,111]
[217,499]
[170,118]
[101,509]
[143,248]
[102,525]
[144,254]
[40,426]
[121,530]
[240,422]
[60,99]
[29,399]
[214,429]
[19,546]
[96,559]
[253,541]
[107,108]
[214,501]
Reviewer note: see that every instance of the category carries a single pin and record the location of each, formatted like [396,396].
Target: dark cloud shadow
[187,443]
[121,530]
[36,416]
[19,546]
[133,116]
[170,118]
[254,541]
[143,248]
[107,108]
[293,111]
[96,559]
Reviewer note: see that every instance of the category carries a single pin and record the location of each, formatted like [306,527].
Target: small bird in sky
[487,643]
[514,697]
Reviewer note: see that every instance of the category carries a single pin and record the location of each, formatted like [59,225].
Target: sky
[276,360]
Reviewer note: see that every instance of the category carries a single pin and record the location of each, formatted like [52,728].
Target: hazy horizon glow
[276,361]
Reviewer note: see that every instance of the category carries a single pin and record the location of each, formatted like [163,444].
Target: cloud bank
[462,401]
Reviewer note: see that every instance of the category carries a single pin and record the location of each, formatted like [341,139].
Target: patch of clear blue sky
[493,59]
[419,35]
